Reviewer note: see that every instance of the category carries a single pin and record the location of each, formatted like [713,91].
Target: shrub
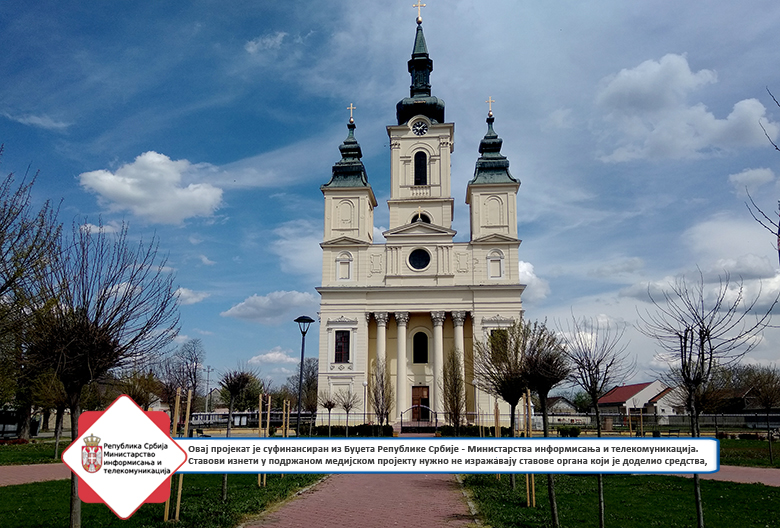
[14,441]
[571,432]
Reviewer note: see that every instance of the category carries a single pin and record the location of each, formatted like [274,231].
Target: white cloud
[206,261]
[648,107]
[619,267]
[151,187]
[297,245]
[723,237]
[653,86]
[111,227]
[275,355]
[274,307]
[39,121]
[536,289]
[750,180]
[271,41]
[379,238]
[187,296]
[559,119]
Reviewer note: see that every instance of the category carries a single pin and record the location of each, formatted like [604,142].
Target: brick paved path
[10,475]
[375,501]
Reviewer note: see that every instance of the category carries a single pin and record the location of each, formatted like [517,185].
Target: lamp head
[304,322]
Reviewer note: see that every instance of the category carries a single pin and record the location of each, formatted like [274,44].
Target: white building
[419,296]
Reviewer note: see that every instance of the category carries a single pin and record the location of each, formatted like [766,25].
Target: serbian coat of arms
[92,454]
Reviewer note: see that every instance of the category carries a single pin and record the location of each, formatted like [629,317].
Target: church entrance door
[420,404]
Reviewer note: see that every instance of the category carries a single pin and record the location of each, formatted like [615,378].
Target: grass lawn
[753,453]
[631,501]
[36,452]
[46,504]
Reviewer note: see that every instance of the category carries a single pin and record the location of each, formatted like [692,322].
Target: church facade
[410,302]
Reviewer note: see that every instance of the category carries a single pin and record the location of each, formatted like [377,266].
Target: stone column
[401,319]
[381,336]
[438,358]
[460,346]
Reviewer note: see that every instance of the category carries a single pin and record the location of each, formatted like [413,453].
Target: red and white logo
[91,454]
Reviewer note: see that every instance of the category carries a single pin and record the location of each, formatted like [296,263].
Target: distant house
[560,405]
[668,402]
[630,399]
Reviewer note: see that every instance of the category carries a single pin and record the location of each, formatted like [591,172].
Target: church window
[420,168]
[420,347]
[421,217]
[342,347]
[494,209]
[419,259]
[344,266]
[499,342]
[495,264]
[346,212]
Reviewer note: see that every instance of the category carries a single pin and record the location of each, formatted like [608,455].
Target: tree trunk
[23,415]
[75,502]
[513,408]
[227,435]
[550,477]
[697,495]
[600,476]
[769,439]
[58,429]
[695,433]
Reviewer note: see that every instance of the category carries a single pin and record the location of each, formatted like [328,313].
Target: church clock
[420,128]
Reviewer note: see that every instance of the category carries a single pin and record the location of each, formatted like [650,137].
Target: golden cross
[350,108]
[490,102]
[419,212]
[419,5]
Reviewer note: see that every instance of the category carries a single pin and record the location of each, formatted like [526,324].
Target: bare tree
[599,361]
[546,365]
[381,393]
[347,400]
[699,329]
[327,401]
[189,358]
[235,383]
[453,389]
[28,238]
[141,387]
[765,383]
[110,306]
[499,363]
[311,368]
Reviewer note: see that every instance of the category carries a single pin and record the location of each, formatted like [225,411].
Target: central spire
[420,100]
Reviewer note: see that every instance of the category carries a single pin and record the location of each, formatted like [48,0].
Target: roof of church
[492,166]
[349,171]
[420,100]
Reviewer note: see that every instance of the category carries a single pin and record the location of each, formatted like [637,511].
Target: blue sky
[633,127]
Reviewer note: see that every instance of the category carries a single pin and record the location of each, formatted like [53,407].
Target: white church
[419,296]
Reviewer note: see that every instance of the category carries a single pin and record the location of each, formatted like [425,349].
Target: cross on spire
[490,102]
[350,108]
[419,213]
[419,5]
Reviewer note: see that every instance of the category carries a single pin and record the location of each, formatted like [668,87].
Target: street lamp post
[304,322]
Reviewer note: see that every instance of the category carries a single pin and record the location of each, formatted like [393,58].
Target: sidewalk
[11,475]
[374,501]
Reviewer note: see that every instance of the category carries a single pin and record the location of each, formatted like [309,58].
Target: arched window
[495,264]
[344,266]
[420,347]
[420,168]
